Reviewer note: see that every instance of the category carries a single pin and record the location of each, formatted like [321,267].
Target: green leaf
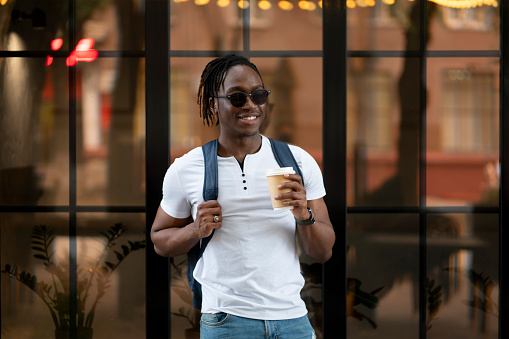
[125,249]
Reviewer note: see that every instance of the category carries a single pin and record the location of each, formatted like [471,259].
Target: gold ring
[216,218]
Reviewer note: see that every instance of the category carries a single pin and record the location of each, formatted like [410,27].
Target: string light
[307,5]
[350,4]
[264,4]
[3,2]
[223,3]
[465,3]
[243,4]
[285,5]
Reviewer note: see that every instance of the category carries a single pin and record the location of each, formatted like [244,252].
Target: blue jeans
[227,326]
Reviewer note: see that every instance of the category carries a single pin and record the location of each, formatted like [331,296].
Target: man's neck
[239,147]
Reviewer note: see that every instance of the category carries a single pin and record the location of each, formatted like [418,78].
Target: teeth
[249,118]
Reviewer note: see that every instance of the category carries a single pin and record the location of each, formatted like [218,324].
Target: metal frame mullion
[157,158]
[73,255]
[504,173]
[423,216]
[334,289]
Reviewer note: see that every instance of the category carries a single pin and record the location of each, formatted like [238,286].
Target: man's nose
[250,102]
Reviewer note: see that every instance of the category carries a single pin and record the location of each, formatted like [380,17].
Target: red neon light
[56,44]
[83,52]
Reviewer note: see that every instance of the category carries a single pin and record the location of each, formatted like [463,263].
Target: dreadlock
[211,80]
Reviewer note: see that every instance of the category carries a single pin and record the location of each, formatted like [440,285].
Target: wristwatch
[307,222]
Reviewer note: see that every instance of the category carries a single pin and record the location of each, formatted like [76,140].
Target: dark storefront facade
[402,103]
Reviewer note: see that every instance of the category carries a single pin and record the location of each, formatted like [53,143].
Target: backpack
[284,158]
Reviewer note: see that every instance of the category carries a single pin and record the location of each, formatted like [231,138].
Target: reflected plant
[482,299]
[435,295]
[356,297]
[483,287]
[55,294]
[180,286]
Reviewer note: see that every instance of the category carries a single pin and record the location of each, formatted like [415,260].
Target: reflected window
[377,95]
[468,111]
[474,19]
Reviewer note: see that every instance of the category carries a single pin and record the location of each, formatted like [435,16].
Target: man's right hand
[208,218]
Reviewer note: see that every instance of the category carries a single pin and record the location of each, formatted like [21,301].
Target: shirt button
[245,188]
[244,181]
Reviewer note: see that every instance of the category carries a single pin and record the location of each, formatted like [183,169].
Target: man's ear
[213,105]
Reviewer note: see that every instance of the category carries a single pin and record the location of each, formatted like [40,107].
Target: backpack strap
[209,193]
[284,156]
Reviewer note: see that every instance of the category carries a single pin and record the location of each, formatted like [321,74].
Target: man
[249,272]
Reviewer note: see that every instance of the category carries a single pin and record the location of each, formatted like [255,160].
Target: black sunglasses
[239,99]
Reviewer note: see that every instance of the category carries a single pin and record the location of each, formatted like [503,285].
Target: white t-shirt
[250,267]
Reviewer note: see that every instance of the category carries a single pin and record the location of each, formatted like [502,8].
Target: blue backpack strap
[210,177]
[209,193]
[284,156]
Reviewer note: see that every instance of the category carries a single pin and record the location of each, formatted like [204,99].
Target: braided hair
[211,80]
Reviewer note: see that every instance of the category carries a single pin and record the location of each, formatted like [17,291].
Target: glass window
[31,304]
[382,25]
[34,157]
[111,273]
[39,25]
[469,28]
[383,131]
[295,101]
[111,132]
[286,25]
[203,25]
[463,131]
[382,275]
[462,283]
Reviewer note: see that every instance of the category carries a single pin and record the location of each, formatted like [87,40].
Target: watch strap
[307,222]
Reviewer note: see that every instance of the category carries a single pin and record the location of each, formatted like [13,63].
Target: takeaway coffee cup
[275,177]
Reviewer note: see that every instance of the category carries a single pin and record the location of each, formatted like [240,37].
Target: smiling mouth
[249,118]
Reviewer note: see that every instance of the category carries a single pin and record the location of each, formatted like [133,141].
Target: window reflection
[383,275]
[36,253]
[24,276]
[383,131]
[111,271]
[462,291]
[34,101]
[463,132]
[112,120]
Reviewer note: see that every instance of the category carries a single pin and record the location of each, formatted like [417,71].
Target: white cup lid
[280,171]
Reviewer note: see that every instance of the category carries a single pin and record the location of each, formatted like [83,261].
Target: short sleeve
[174,202]
[312,175]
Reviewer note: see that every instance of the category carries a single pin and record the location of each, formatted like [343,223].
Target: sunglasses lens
[260,96]
[238,99]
